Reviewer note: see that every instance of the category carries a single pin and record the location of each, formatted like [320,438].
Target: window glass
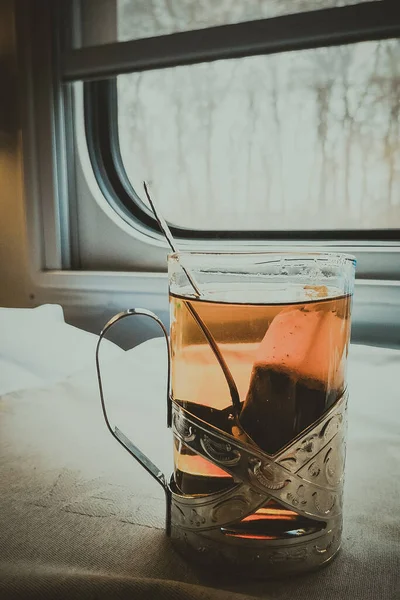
[144,18]
[120,20]
[294,141]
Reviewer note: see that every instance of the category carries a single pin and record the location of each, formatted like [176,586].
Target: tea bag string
[207,333]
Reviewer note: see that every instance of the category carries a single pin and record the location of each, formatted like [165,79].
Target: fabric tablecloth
[80,518]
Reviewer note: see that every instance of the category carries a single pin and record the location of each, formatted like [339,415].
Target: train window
[259,123]
[253,121]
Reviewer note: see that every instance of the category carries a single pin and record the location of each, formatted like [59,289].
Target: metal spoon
[210,338]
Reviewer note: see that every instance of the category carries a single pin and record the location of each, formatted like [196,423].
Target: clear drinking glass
[259,406]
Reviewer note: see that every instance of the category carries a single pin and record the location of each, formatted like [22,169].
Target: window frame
[366,21]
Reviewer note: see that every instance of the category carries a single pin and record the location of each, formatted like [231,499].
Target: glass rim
[334,256]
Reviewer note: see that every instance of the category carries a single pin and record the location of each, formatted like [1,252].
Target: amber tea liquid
[288,361]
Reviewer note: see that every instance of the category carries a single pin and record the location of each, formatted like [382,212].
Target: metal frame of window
[328,27]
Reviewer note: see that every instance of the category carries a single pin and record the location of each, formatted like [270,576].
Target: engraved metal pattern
[306,476]
[182,427]
[260,557]
[215,510]
[300,451]
[220,452]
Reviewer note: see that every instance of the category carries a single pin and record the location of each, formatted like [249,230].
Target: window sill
[375,312]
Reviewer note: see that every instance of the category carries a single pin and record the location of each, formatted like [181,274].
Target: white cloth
[38,348]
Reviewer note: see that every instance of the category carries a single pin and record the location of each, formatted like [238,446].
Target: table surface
[79,518]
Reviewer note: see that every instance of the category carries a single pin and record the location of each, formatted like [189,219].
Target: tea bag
[295,377]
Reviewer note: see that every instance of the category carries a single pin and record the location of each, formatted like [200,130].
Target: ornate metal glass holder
[306,476]
[258,407]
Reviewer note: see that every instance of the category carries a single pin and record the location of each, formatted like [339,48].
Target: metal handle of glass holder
[133,450]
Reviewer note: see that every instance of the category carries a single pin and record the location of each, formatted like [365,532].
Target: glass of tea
[259,398]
